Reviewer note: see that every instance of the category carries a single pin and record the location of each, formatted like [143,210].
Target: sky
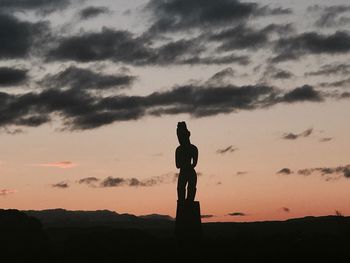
[91,93]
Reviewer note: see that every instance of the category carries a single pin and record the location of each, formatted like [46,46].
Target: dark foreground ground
[24,238]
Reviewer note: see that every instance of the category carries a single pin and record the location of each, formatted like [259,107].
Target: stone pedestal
[188,221]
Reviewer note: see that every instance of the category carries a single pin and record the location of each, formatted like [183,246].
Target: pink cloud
[63,165]
[4,192]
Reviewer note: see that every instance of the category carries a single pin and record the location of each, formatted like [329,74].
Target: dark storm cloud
[245,37]
[329,15]
[122,46]
[237,214]
[296,46]
[12,76]
[285,171]
[330,173]
[282,74]
[125,47]
[304,93]
[107,44]
[229,149]
[81,110]
[331,69]
[92,11]
[32,108]
[33,121]
[62,185]
[40,6]
[80,78]
[178,15]
[293,136]
[17,37]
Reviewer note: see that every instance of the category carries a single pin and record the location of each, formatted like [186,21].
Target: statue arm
[177,158]
[195,156]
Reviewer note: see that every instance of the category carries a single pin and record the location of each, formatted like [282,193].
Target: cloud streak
[5,192]
[131,182]
[237,214]
[285,171]
[92,12]
[62,165]
[311,43]
[229,149]
[81,78]
[329,15]
[90,181]
[61,185]
[293,136]
[207,216]
[328,173]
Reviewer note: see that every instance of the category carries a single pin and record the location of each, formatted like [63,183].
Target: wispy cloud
[10,131]
[284,209]
[5,192]
[207,216]
[237,214]
[327,139]
[285,171]
[229,149]
[92,12]
[132,182]
[329,173]
[62,165]
[90,181]
[294,136]
[62,185]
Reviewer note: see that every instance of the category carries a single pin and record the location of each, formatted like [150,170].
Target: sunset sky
[91,93]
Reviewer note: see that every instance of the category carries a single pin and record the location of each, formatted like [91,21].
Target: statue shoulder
[194,147]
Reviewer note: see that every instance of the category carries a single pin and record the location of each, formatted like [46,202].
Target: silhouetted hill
[324,224]
[22,238]
[65,218]
[157,217]
[130,239]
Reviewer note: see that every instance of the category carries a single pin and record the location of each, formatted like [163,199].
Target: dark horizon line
[156,214]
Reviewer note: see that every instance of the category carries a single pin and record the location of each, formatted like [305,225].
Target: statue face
[183,137]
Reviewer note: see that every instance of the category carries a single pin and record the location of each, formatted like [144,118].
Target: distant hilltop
[61,217]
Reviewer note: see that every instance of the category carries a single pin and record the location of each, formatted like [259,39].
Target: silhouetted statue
[188,216]
[186,160]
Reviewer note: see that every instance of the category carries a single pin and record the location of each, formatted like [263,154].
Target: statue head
[183,134]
